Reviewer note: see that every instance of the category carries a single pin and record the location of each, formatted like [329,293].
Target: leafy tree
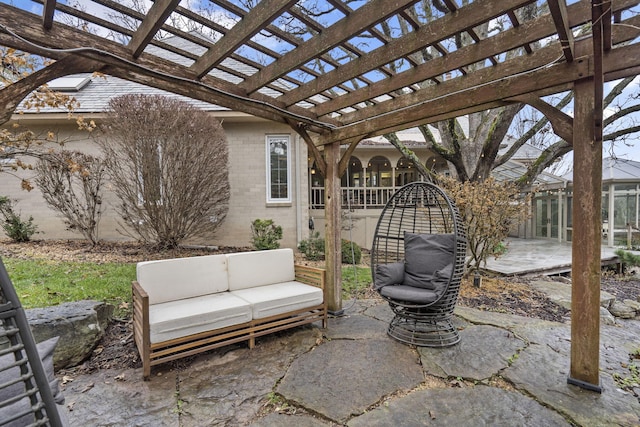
[489,210]
[168,162]
[471,144]
[72,183]
[23,78]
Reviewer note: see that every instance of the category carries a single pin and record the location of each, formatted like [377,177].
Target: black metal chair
[417,262]
[26,382]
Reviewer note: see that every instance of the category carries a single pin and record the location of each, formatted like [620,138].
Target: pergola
[342,76]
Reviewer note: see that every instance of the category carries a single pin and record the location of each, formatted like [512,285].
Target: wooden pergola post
[587,240]
[332,248]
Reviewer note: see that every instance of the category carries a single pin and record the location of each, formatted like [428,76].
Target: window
[278,168]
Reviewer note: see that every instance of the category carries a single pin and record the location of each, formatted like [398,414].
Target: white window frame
[268,141]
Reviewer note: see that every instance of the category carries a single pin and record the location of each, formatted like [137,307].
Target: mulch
[117,350]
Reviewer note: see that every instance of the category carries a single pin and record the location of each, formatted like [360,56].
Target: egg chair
[417,262]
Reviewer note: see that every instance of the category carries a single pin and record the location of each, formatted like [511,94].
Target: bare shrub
[71,182]
[168,162]
[489,209]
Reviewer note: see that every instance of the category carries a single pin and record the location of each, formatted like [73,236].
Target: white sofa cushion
[176,319]
[179,278]
[260,268]
[279,298]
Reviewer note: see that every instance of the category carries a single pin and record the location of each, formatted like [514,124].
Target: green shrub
[627,259]
[265,234]
[350,256]
[13,225]
[313,250]
[313,247]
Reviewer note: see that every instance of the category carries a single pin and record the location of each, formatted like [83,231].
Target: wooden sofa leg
[146,370]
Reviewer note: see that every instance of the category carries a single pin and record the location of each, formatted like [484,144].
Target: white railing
[354,197]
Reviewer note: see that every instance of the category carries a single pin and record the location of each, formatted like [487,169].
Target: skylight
[69,84]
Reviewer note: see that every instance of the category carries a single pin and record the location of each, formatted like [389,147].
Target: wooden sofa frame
[166,351]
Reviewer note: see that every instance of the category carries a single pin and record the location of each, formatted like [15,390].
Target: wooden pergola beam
[154,71]
[444,98]
[587,228]
[368,15]
[558,9]
[561,123]
[158,13]
[48,10]
[427,35]
[249,25]
[579,14]
[11,95]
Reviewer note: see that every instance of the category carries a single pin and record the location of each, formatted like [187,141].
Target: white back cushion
[259,268]
[178,278]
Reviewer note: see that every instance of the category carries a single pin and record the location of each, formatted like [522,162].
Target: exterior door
[547,218]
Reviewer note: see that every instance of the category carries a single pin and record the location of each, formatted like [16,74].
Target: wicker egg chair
[417,261]
[29,391]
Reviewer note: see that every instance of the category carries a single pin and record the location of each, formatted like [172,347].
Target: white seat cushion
[179,278]
[280,298]
[176,319]
[259,268]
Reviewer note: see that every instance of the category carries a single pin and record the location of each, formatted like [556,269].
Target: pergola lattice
[347,70]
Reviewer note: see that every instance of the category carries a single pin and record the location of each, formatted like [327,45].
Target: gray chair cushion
[45,350]
[389,274]
[409,294]
[424,255]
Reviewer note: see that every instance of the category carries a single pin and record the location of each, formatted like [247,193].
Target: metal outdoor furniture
[29,391]
[417,262]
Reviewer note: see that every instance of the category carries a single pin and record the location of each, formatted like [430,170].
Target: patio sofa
[185,306]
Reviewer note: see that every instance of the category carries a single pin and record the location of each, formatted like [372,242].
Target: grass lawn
[41,283]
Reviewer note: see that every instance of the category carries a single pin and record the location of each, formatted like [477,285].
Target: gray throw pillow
[45,350]
[389,274]
[424,255]
[441,278]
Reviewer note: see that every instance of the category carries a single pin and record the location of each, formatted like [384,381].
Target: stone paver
[560,293]
[473,406]
[354,374]
[345,377]
[483,351]
[232,390]
[114,398]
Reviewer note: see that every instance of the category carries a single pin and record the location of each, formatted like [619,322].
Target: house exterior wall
[247,180]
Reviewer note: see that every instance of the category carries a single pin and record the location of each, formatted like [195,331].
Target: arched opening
[405,172]
[379,172]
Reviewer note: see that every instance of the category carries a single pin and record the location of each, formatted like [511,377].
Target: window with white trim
[278,169]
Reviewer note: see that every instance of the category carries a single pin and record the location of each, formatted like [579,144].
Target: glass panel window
[278,168]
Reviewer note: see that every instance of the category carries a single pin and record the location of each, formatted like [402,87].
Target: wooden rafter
[251,24]
[147,69]
[429,34]
[158,13]
[363,18]
[48,11]
[451,99]
[558,10]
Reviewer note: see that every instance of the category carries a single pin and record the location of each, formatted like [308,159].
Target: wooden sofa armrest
[310,275]
[141,330]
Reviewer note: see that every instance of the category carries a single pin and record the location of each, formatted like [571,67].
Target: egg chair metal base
[423,332]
